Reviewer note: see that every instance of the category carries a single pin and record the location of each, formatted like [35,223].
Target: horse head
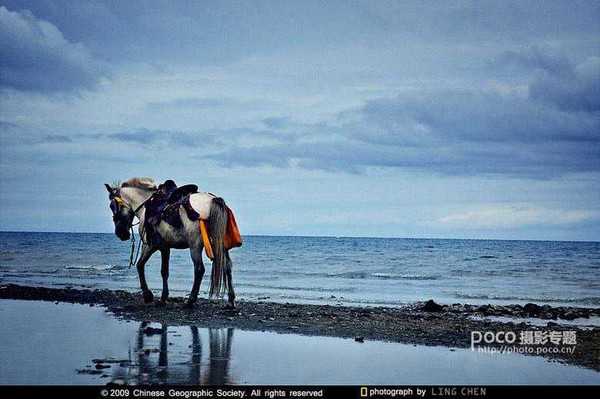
[122,213]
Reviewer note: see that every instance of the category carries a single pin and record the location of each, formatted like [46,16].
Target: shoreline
[420,323]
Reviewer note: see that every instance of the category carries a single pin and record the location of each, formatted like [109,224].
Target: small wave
[583,300]
[488,257]
[363,275]
[99,268]
[351,301]
[387,276]
[290,288]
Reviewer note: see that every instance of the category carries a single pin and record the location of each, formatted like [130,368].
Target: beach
[123,340]
[310,310]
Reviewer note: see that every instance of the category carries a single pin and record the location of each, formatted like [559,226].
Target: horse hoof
[161,303]
[189,305]
[148,297]
[230,306]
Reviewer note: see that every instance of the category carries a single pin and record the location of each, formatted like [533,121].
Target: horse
[127,201]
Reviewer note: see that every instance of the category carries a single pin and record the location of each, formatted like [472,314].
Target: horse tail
[217,225]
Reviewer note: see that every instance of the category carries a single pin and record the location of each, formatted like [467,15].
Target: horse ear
[108,188]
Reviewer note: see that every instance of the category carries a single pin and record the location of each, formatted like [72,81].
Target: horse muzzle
[123,234]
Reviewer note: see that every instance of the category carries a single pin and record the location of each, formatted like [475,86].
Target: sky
[343,118]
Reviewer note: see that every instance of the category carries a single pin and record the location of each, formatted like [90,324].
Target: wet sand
[48,343]
[420,323]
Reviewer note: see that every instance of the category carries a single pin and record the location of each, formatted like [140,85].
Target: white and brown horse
[127,202]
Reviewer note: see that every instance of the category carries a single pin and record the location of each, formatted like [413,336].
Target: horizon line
[331,236]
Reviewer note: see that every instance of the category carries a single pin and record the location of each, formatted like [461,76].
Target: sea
[327,270]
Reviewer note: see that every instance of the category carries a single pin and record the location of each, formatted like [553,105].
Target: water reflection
[175,355]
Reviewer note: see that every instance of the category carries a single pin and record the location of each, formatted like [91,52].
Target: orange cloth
[205,239]
[232,238]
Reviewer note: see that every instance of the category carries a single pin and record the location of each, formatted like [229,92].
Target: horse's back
[201,202]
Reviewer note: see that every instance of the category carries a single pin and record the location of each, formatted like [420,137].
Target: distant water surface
[359,271]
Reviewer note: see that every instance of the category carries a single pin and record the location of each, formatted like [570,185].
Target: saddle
[163,205]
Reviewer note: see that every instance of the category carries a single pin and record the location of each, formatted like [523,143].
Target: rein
[121,202]
[133,261]
[137,254]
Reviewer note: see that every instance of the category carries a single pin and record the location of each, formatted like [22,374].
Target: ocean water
[356,271]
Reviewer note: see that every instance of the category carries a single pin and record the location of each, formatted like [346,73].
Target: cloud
[35,56]
[512,216]
[535,58]
[578,90]
[13,134]
[461,133]
[191,102]
[556,79]
[5,125]
[151,137]
[551,129]
[56,138]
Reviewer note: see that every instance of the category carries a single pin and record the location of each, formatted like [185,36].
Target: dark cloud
[276,122]
[57,138]
[555,129]
[15,135]
[35,56]
[578,90]
[142,136]
[160,137]
[5,125]
[535,58]
[191,102]
[556,79]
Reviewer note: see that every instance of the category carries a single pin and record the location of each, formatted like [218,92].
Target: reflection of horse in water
[174,364]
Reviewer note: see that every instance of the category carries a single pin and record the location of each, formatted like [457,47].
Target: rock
[569,315]
[457,307]
[585,313]
[152,331]
[85,371]
[487,309]
[532,309]
[359,339]
[431,306]
[110,360]
[548,315]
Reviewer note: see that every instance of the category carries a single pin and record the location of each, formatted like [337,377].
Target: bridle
[120,203]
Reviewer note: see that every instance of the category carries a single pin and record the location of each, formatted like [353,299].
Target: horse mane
[145,183]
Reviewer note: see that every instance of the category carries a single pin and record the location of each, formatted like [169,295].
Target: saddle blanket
[201,203]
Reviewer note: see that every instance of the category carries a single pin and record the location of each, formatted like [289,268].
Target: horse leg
[147,252]
[230,291]
[196,253]
[164,272]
